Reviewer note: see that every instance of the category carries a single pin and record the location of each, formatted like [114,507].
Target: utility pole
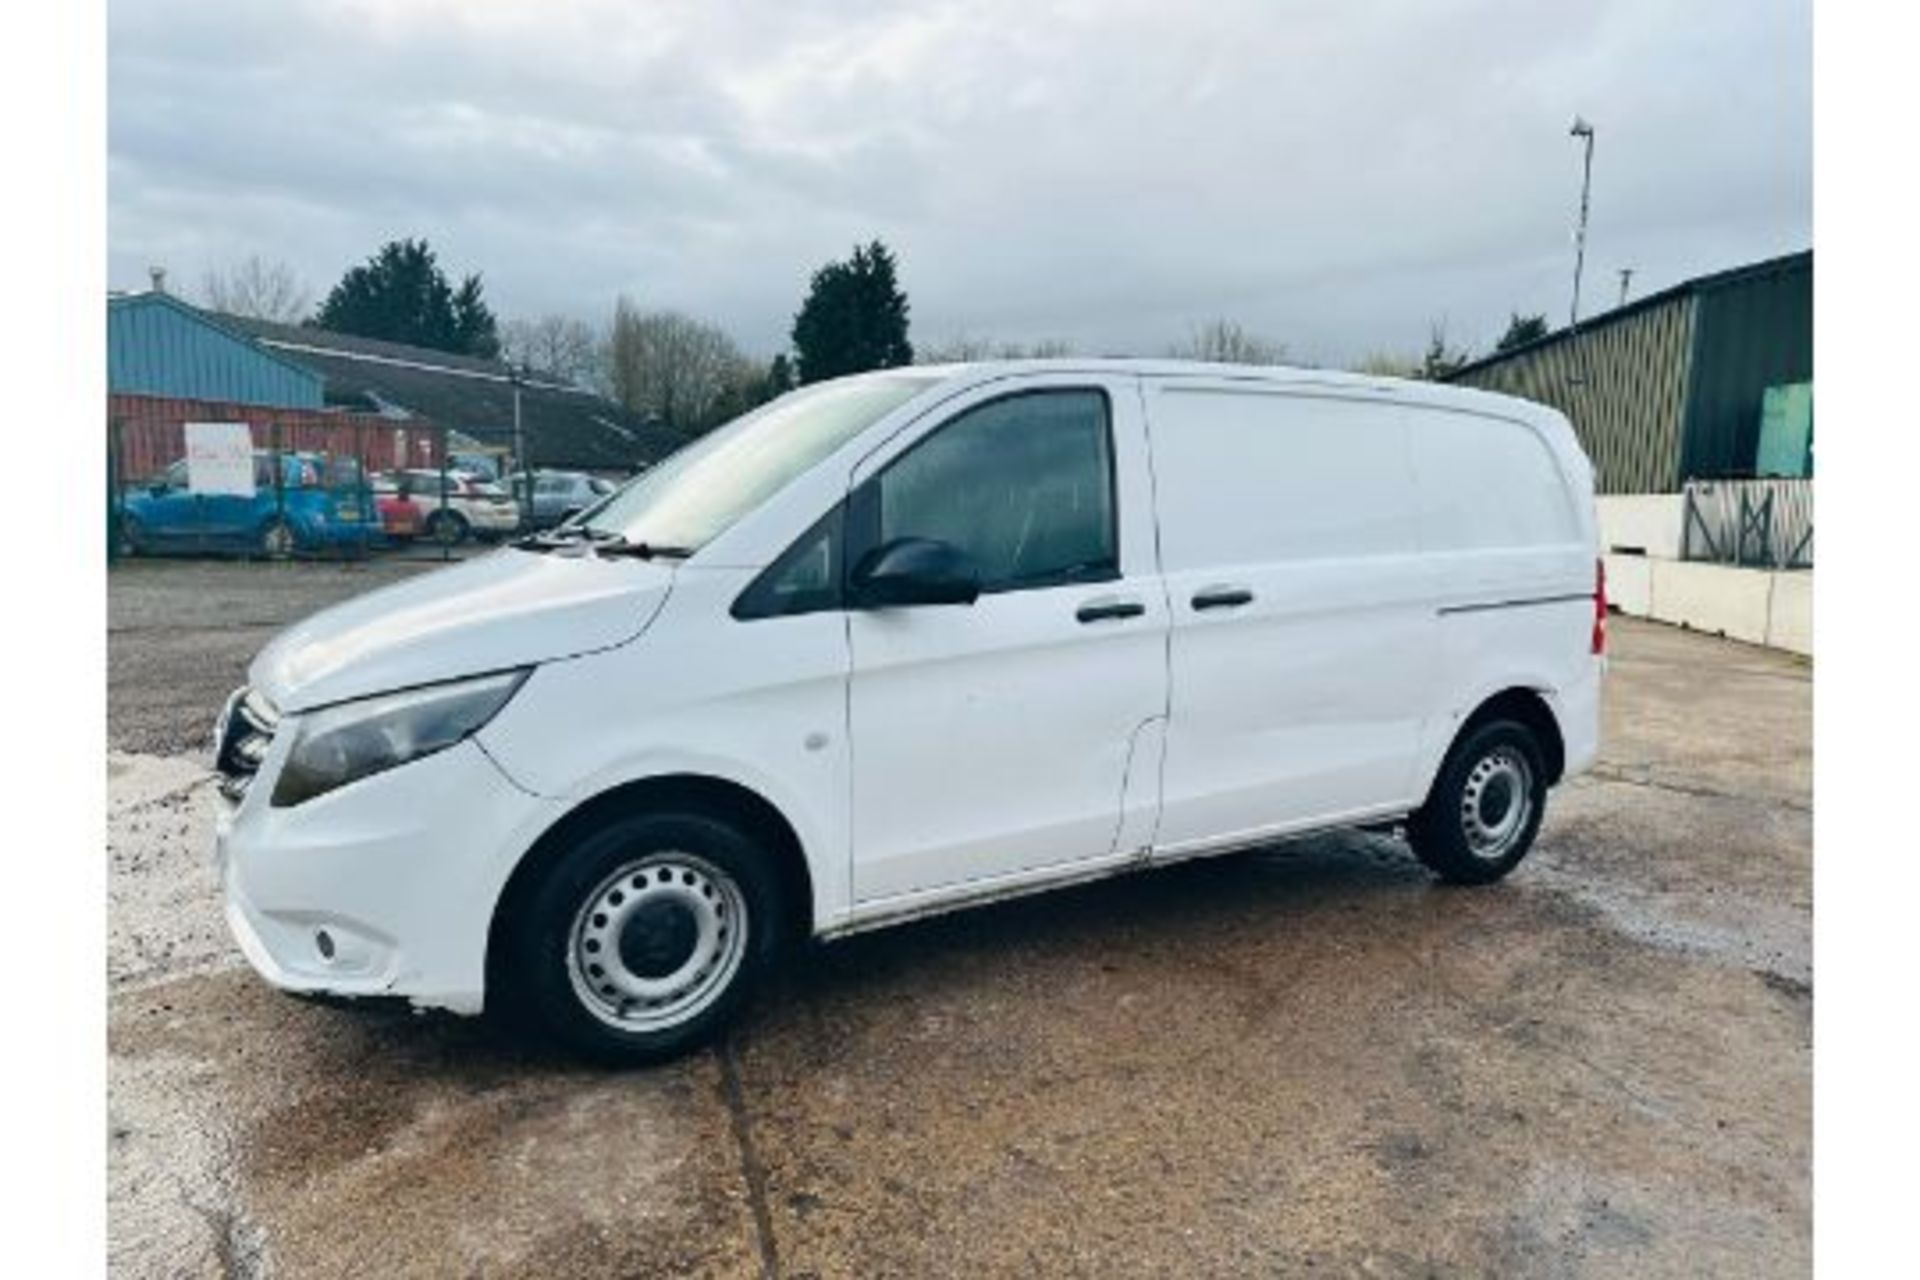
[1626,280]
[523,477]
[1581,129]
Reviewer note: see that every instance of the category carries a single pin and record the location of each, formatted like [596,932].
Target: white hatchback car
[472,506]
[910,640]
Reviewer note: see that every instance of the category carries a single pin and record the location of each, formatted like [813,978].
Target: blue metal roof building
[160,346]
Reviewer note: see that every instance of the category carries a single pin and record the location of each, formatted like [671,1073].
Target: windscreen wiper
[549,540]
[621,545]
[598,540]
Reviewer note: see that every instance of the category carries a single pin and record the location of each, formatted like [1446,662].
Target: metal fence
[1757,523]
[326,486]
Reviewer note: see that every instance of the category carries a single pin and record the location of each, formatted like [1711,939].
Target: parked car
[556,495]
[320,505]
[907,641]
[473,507]
[401,518]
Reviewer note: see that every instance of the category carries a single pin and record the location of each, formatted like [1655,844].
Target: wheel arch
[286,519]
[1529,706]
[686,792]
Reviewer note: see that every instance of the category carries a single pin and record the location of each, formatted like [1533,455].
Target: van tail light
[1599,607]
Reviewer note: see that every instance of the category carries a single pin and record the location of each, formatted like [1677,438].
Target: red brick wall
[150,435]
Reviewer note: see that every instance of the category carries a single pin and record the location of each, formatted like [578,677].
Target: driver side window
[1023,485]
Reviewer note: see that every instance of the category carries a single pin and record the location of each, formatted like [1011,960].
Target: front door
[1016,736]
[170,511]
[232,519]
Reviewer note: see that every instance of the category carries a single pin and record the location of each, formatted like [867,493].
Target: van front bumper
[384,887]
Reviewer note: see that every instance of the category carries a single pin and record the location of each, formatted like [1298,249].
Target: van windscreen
[689,498]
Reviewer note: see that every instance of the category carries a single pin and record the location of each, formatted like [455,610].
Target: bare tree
[1224,341]
[961,349]
[558,346]
[683,370]
[965,349]
[1385,364]
[257,289]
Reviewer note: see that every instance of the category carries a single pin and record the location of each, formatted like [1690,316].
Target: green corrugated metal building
[1670,387]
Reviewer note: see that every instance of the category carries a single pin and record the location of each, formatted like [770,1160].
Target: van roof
[1410,391]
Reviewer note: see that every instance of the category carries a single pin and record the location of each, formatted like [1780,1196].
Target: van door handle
[1221,598]
[1099,610]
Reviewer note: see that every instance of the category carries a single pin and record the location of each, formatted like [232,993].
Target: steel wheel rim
[1497,803]
[278,540]
[622,933]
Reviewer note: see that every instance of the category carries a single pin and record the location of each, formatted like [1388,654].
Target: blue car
[323,505]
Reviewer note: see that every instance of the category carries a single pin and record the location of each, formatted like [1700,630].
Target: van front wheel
[641,941]
[1485,808]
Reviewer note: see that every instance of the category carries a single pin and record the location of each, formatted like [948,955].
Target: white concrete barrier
[1790,618]
[1759,606]
[1649,524]
[1630,584]
[1713,597]
[1640,535]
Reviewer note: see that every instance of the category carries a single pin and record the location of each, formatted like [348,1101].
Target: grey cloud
[1334,176]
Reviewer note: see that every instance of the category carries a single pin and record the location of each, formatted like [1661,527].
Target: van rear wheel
[1485,808]
[641,941]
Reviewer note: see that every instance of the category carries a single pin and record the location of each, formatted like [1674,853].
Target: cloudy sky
[1333,175]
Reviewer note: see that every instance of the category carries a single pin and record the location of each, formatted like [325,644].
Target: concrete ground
[1305,1060]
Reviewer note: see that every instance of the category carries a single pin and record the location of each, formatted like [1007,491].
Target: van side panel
[1507,527]
[1302,705]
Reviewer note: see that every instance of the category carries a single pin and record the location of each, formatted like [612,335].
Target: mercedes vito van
[906,641]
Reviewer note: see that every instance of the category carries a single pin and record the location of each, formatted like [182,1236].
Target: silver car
[559,494]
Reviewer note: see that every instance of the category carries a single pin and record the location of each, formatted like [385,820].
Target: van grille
[241,738]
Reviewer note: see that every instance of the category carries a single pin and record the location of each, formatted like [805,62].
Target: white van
[907,641]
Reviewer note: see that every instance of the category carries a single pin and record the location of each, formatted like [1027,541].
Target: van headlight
[353,740]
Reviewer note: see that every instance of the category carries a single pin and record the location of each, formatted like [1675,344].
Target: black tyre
[449,528]
[641,941]
[133,536]
[1485,808]
[275,539]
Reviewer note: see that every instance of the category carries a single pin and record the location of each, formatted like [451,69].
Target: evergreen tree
[1520,331]
[780,378]
[401,295]
[474,327]
[854,317]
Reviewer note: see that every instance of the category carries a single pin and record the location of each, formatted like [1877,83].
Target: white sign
[220,458]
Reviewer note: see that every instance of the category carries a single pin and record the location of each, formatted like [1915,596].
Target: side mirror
[910,571]
[158,488]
